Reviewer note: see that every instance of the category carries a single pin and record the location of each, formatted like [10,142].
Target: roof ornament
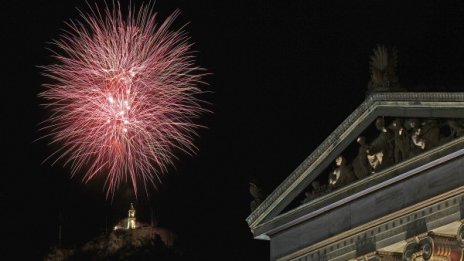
[382,66]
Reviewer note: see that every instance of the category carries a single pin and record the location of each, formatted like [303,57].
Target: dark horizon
[283,77]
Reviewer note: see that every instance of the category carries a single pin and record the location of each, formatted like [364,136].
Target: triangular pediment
[403,105]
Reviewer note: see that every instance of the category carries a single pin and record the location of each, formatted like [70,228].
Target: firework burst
[122,97]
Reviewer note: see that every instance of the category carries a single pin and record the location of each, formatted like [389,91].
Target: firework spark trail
[123,96]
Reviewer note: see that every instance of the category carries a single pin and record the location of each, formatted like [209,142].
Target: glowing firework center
[118,100]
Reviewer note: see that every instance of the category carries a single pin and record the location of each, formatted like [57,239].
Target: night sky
[284,75]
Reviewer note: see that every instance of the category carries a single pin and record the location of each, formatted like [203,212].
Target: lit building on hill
[130,222]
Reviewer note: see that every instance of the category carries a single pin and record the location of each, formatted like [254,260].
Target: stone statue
[375,160]
[425,135]
[401,141]
[257,193]
[316,191]
[430,133]
[456,129]
[341,175]
[383,65]
[361,166]
[415,144]
[380,152]
[308,196]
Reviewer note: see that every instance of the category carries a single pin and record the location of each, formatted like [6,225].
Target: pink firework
[123,96]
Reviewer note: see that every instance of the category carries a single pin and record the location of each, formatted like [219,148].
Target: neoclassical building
[411,208]
[387,184]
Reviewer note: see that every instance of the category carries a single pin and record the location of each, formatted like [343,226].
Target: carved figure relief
[316,190]
[430,133]
[425,135]
[342,174]
[380,152]
[456,128]
[402,140]
[412,126]
[361,166]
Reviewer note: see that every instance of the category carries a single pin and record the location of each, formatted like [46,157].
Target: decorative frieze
[397,140]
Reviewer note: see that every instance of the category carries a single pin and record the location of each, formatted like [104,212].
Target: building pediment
[273,214]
